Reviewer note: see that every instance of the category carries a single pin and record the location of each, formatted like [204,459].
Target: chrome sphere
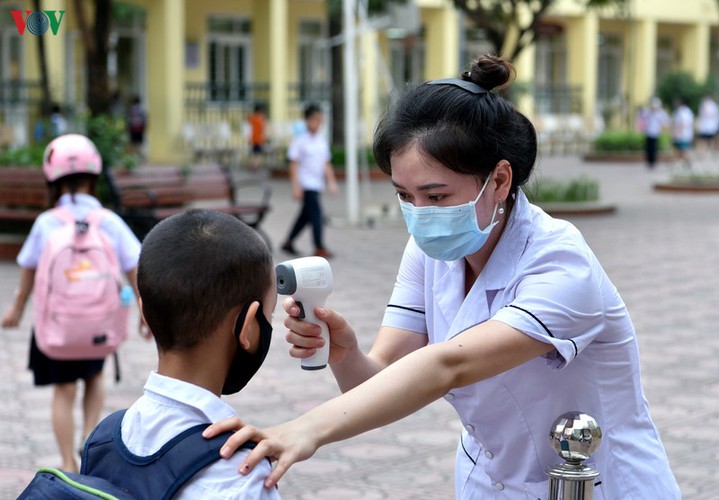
[575,436]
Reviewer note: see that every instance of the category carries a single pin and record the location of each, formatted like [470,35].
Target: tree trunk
[45,99]
[96,39]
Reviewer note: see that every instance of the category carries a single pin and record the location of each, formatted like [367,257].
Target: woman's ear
[244,337]
[503,180]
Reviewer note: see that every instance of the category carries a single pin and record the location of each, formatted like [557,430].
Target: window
[666,57]
[407,59]
[11,60]
[552,94]
[609,75]
[229,50]
[126,60]
[313,61]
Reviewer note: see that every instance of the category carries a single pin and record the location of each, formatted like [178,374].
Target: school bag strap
[95,216]
[160,475]
[55,484]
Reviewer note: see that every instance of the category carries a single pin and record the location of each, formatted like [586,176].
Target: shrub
[338,156]
[110,136]
[682,85]
[27,156]
[625,141]
[544,190]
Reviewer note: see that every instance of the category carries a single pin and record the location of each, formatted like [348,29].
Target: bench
[23,196]
[145,195]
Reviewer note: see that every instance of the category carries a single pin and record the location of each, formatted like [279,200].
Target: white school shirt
[683,124]
[655,120]
[169,407]
[311,152]
[121,238]
[543,280]
[708,120]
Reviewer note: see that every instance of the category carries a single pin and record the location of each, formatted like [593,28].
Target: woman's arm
[349,364]
[390,345]
[402,388]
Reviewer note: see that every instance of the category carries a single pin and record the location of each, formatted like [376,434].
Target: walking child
[136,126]
[683,132]
[708,125]
[258,136]
[72,165]
[310,171]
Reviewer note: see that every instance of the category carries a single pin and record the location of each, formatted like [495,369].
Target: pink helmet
[70,154]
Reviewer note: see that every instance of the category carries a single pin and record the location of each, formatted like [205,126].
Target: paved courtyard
[661,250]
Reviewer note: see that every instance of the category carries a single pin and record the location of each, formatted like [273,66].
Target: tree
[96,39]
[45,99]
[511,25]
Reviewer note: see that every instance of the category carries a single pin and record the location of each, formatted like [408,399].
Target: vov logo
[37,22]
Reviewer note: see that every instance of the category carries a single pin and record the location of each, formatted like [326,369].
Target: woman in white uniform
[499,308]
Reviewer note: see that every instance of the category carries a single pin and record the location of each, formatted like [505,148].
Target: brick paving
[660,249]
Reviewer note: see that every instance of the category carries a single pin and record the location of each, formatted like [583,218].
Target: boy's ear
[142,313]
[244,336]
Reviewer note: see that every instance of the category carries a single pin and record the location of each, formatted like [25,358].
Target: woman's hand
[286,444]
[305,337]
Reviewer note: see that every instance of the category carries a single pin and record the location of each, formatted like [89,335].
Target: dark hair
[194,268]
[468,131]
[70,184]
[311,109]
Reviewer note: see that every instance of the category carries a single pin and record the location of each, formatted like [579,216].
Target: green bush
[544,190]
[110,137]
[27,156]
[682,85]
[338,156]
[625,141]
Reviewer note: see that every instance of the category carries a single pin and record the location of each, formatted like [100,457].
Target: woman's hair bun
[491,71]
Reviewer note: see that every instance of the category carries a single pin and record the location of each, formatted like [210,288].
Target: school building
[199,66]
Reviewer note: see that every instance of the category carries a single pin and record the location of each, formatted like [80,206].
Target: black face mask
[245,365]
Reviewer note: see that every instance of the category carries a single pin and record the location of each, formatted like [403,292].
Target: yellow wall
[441,42]
[165,61]
[173,23]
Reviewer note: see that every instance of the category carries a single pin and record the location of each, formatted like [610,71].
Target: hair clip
[470,87]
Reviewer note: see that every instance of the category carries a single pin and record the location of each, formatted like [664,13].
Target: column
[441,42]
[525,65]
[695,50]
[55,50]
[582,55]
[643,75]
[165,58]
[278,28]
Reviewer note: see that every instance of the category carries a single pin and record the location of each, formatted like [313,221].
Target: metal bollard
[575,436]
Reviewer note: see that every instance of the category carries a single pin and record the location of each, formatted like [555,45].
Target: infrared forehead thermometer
[309,281]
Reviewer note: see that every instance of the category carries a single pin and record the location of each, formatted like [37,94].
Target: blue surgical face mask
[447,233]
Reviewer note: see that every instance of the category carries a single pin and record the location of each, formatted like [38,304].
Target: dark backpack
[110,471]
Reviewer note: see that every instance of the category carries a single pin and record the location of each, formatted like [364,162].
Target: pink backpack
[77,309]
